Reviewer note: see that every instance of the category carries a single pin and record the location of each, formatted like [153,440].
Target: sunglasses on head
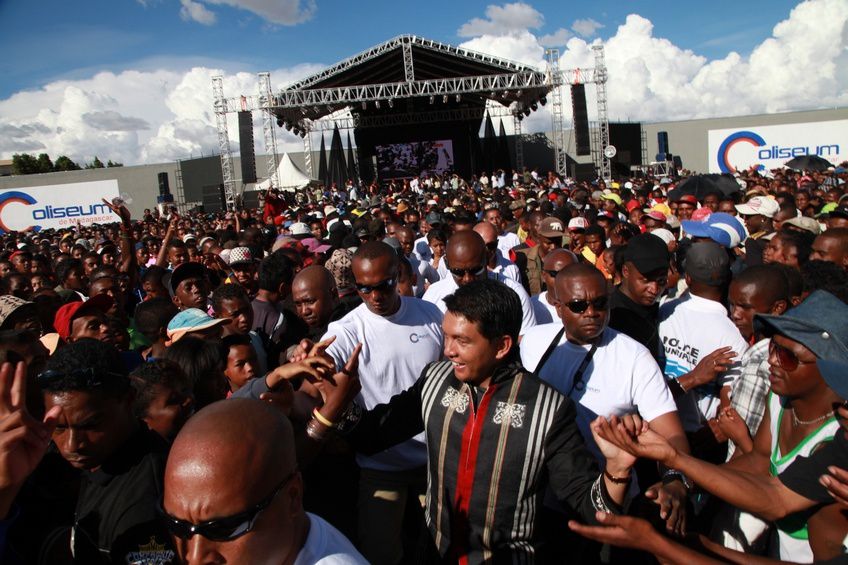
[381,286]
[786,358]
[227,528]
[475,272]
[580,306]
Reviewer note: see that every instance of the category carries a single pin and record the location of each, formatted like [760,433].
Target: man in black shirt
[635,310]
[121,459]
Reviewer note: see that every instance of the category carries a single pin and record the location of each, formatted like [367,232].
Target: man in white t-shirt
[495,261]
[605,372]
[506,240]
[424,272]
[233,492]
[544,303]
[466,257]
[700,342]
[399,337]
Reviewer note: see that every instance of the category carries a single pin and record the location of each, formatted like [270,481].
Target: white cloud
[504,19]
[283,12]
[197,12]
[556,39]
[586,27]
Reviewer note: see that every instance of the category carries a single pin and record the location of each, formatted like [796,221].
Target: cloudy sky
[130,80]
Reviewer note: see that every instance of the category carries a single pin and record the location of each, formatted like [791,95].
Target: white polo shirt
[447,286]
[690,328]
[395,350]
[622,377]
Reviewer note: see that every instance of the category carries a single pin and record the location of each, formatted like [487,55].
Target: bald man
[316,299]
[466,256]
[496,262]
[544,303]
[234,463]
[832,246]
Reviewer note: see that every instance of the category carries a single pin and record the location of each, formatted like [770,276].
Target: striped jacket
[492,454]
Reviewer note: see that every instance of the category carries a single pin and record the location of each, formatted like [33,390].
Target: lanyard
[577,381]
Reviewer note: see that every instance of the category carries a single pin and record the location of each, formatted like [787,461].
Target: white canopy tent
[290,176]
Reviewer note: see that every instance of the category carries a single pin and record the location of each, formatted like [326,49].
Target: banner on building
[57,206]
[769,147]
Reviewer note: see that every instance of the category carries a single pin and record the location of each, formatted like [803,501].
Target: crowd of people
[526,369]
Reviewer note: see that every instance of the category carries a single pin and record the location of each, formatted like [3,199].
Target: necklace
[798,422]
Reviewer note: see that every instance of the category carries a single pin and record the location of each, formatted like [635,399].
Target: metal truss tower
[307,149]
[224,141]
[555,78]
[603,120]
[519,143]
[266,102]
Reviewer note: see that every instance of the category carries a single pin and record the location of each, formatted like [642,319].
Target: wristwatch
[674,475]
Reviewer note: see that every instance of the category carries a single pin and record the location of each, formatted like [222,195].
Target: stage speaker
[213,198]
[662,145]
[164,187]
[678,162]
[246,150]
[581,119]
[250,199]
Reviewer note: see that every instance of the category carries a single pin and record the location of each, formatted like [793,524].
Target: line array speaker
[246,150]
[581,119]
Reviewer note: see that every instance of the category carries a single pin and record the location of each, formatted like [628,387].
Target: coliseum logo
[766,152]
[14,197]
[49,212]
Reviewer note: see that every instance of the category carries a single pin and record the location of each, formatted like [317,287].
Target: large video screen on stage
[399,160]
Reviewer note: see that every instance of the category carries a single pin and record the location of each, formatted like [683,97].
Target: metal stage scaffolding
[316,104]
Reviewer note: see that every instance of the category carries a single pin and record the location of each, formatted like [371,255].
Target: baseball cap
[191,320]
[10,304]
[804,223]
[240,256]
[434,218]
[664,235]
[552,228]
[819,323]
[654,215]
[189,237]
[688,199]
[578,223]
[707,263]
[720,227]
[631,205]
[612,196]
[315,246]
[185,271]
[759,205]
[69,312]
[299,228]
[648,253]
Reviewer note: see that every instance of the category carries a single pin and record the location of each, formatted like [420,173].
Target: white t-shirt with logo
[545,313]
[690,328]
[447,286]
[395,349]
[424,272]
[622,377]
[325,545]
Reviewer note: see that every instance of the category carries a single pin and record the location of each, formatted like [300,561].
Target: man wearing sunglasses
[466,256]
[495,261]
[544,303]
[233,493]
[604,371]
[400,336]
[120,459]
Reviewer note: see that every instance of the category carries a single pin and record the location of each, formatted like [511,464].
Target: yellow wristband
[318,416]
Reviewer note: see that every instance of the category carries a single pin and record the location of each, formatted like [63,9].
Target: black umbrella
[701,185]
[337,172]
[808,163]
[322,163]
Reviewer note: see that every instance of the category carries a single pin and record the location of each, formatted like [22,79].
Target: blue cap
[720,227]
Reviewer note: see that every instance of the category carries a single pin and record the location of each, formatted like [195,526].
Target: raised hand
[340,390]
[23,439]
[711,365]
[671,498]
[621,531]
[615,456]
[121,211]
[311,368]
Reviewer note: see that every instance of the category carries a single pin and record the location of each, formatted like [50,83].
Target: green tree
[24,164]
[64,163]
[96,164]
[111,163]
[45,165]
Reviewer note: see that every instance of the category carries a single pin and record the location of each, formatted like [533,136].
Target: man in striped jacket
[497,437]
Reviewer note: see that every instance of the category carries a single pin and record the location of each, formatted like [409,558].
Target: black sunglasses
[381,286]
[475,271]
[580,306]
[222,529]
[786,358]
[88,377]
